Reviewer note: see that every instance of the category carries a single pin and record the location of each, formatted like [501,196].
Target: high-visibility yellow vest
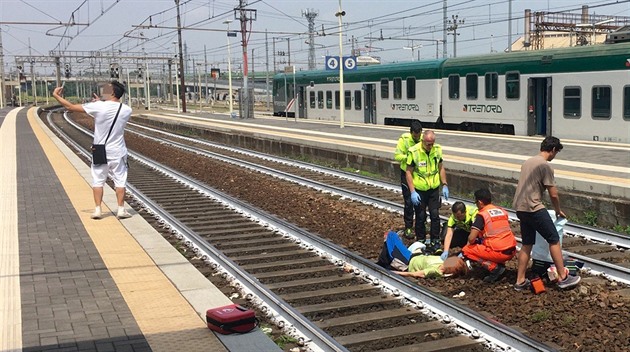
[426,173]
[405,142]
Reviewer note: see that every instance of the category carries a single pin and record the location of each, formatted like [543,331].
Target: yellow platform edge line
[112,240]
[10,294]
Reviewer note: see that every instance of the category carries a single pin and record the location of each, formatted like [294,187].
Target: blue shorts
[538,221]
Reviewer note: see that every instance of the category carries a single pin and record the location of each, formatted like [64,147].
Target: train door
[301,102]
[539,106]
[369,111]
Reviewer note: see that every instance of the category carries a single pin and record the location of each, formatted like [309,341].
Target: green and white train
[577,93]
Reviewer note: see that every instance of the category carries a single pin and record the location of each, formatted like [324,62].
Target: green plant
[541,315]
[362,173]
[505,204]
[590,218]
[188,133]
[283,340]
[621,229]
[568,320]
[181,248]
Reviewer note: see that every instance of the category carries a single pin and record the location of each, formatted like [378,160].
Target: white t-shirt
[104,113]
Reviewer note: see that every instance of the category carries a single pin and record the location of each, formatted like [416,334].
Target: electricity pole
[444,29]
[267,69]
[454,24]
[310,15]
[245,16]
[181,59]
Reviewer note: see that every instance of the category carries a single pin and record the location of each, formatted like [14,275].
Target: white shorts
[117,168]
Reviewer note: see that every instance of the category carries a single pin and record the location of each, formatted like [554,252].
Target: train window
[397,88]
[311,99]
[512,85]
[357,100]
[411,88]
[572,102]
[492,85]
[384,89]
[337,100]
[328,99]
[601,101]
[626,103]
[453,86]
[472,86]
[347,95]
[320,100]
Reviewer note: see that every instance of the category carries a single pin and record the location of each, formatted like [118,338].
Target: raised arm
[66,104]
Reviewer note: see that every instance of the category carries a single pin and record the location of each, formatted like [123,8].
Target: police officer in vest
[425,174]
[491,242]
[405,142]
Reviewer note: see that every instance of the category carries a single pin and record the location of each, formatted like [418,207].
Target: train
[580,93]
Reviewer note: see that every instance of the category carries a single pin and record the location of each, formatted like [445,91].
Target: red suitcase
[231,319]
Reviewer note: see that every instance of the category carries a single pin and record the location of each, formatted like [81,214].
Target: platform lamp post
[228,21]
[342,96]
[177,73]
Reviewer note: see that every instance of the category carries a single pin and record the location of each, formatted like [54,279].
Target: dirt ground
[591,317]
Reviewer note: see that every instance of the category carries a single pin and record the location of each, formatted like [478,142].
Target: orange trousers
[487,257]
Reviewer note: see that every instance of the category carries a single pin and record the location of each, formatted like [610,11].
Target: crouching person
[411,262]
[491,242]
[456,230]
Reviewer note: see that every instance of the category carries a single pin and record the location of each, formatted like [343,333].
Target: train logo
[405,107]
[497,109]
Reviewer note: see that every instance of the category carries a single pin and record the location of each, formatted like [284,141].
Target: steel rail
[472,322]
[250,284]
[590,233]
[612,271]
[284,161]
[464,317]
[587,232]
[310,332]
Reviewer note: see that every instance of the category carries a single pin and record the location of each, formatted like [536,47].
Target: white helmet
[417,247]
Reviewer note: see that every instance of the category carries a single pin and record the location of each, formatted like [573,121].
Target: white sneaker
[96,214]
[123,214]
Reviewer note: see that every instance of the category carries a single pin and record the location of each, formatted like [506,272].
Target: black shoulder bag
[99,156]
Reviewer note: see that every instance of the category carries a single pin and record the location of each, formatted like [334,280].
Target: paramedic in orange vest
[491,242]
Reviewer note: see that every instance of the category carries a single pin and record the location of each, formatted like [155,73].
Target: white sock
[121,209]
[97,209]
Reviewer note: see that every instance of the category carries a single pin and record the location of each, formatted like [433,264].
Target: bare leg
[556,255]
[120,196]
[98,195]
[523,262]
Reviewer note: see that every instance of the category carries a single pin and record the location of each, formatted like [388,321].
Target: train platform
[597,168]
[70,283]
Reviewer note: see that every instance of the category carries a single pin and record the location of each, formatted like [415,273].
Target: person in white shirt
[104,109]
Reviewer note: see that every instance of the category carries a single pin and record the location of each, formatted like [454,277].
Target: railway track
[602,251]
[331,298]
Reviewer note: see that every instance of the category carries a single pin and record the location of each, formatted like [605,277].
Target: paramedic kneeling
[491,242]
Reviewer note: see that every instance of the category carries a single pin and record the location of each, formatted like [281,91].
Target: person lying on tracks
[491,242]
[412,262]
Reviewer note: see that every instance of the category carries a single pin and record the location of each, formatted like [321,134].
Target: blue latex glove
[415,198]
[444,255]
[445,192]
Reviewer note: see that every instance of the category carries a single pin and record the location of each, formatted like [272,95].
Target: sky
[31,27]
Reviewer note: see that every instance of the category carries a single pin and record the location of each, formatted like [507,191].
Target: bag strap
[113,123]
[230,326]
